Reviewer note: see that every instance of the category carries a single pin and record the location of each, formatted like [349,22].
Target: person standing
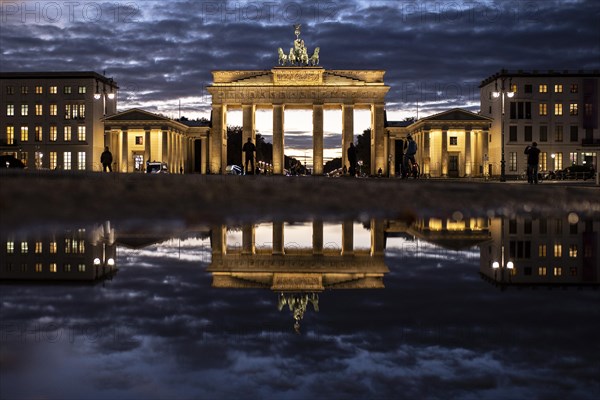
[533,161]
[352,159]
[106,160]
[409,157]
[249,149]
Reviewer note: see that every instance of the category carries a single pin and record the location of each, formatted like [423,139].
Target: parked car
[10,161]
[576,172]
[234,170]
[156,167]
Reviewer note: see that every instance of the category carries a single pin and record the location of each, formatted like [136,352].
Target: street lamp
[501,93]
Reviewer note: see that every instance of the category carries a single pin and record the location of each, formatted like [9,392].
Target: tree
[332,165]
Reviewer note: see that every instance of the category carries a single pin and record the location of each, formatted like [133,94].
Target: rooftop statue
[298,55]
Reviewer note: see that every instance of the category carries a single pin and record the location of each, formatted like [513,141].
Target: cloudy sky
[435,53]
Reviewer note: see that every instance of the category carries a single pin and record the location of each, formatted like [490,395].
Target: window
[53,133]
[38,267]
[24,247]
[512,226]
[558,133]
[39,90]
[543,88]
[81,267]
[67,90]
[558,161]
[67,160]
[528,133]
[453,141]
[588,109]
[573,229]
[67,111]
[39,109]
[24,89]
[82,111]
[543,133]
[52,267]
[10,110]
[67,133]
[39,134]
[10,134]
[39,159]
[24,109]
[512,133]
[558,109]
[67,268]
[81,90]
[81,160]
[528,88]
[513,88]
[10,247]
[558,88]
[53,89]
[24,267]
[573,251]
[513,161]
[53,160]
[543,226]
[542,271]
[10,90]
[38,247]
[573,110]
[139,140]
[574,88]
[557,250]
[542,250]
[543,161]
[53,247]
[81,133]
[557,271]
[574,133]
[543,109]
[53,110]
[24,133]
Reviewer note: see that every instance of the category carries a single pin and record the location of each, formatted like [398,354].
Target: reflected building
[542,251]
[79,254]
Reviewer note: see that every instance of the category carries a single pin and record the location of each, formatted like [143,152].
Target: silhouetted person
[409,156]
[249,149]
[533,161]
[352,159]
[106,160]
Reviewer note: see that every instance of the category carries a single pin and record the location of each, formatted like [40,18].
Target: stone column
[317,139]
[468,158]
[248,239]
[248,128]
[278,154]
[218,240]
[444,152]
[347,132]
[377,139]
[392,156]
[165,146]
[124,151]
[426,169]
[171,151]
[107,140]
[485,149]
[147,147]
[377,237]
[347,237]
[203,155]
[317,241]
[278,238]
[218,132]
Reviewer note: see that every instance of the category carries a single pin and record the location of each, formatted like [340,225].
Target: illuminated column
[248,128]
[125,151]
[165,146]
[181,152]
[278,238]
[347,131]
[248,239]
[218,240]
[171,151]
[392,156]
[218,132]
[278,155]
[377,237]
[444,152]
[347,237]
[147,147]
[203,155]
[485,148]
[377,139]
[108,139]
[426,153]
[468,162]
[317,139]
[317,241]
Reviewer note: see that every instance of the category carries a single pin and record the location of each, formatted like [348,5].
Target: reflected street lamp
[501,93]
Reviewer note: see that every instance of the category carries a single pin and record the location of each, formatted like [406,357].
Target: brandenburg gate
[297,83]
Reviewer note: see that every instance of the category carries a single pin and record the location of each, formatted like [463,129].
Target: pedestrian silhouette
[106,160]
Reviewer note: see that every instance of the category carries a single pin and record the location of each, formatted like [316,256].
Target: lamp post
[502,93]
[501,264]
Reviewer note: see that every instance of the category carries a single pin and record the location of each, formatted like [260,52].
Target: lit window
[542,250]
[513,161]
[82,111]
[52,247]
[543,88]
[67,90]
[81,161]
[39,159]
[573,251]
[39,134]
[557,250]
[39,109]
[24,89]
[558,88]
[558,161]
[558,109]
[67,268]
[558,133]
[38,247]
[10,110]
[53,110]
[10,90]
[53,160]
[513,88]
[24,109]
[10,247]
[557,271]
[67,245]
[82,90]
[38,267]
[139,140]
[67,111]
[574,88]
[543,161]
[25,157]
[24,133]
[67,161]
[542,271]
[10,134]
[81,133]
[453,141]
[81,267]
[573,110]
[53,89]
[543,109]
[67,133]
[52,267]
[39,89]
[53,133]
[24,247]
